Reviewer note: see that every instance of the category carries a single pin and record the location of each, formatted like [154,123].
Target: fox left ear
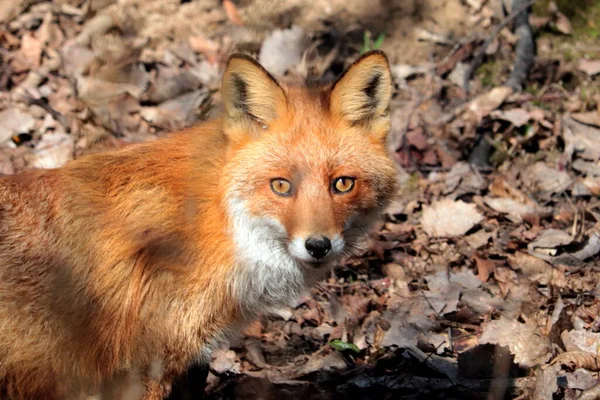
[252,97]
[362,95]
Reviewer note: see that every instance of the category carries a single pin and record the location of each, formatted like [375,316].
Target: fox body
[120,269]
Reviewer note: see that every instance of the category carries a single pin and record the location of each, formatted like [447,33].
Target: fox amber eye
[281,186]
[343,184]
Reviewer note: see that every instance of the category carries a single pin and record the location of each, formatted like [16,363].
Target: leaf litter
[483,277]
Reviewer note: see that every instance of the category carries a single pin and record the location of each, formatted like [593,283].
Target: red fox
[121,269]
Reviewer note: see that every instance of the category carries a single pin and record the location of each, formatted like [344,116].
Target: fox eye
[281,187]
[343,184]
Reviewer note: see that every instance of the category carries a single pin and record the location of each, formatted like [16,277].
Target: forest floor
[483,281]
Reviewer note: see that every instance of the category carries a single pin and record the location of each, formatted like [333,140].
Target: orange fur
[116,270]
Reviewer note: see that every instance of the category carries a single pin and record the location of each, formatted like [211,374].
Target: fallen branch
[478,59]
[525,49]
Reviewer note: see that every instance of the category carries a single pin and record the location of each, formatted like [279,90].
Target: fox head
[307,169]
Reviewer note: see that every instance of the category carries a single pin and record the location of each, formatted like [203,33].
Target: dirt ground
[481,283]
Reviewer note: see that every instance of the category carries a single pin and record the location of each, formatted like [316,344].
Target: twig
[49,109]
[478,59]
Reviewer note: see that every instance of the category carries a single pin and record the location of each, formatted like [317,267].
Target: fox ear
[362,94]
[252,97]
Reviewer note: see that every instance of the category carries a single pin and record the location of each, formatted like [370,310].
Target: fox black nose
[318,248]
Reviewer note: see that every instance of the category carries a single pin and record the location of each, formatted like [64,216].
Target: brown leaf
[562,23]
[523,340]
[202,44]
[31,49]
[588,118]
[417,139]
[581,340]
[232,13]
[224,361]
[578,359]
[254,329]
[516,116]
[448,218]
[590,67]
[582,139]
[484,104]
[532,267]
[485,267]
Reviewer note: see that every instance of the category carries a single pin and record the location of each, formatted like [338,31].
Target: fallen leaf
[177,112]
[531,267]
[53,151]
[171,82]
[524,341]
[76,58]
[511,207]
[549,240]
[449,218]
[589,168]
[232,13]
[282,50]
[13,122]
[95,27]
[590,67]
[580,379]
[417,139]
[516,116]
[202,44]
[224,361]
[458,76]
[581,139]
[401,72]
[578,359]
[562,23]
[545,179]
[485,267]
[479,239]
[485,103]
[581,340]
[546,383]
[588,118]
[31,49]
[463,179]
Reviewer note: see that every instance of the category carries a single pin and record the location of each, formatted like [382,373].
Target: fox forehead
[307,137]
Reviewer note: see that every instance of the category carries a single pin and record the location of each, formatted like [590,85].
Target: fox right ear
[252,97]
[362,95]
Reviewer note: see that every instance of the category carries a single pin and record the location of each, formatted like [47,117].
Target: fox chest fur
[119,270]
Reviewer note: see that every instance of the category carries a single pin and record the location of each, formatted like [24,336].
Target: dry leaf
[581,340]
[589,118]
[53,151]
[590,67]
[516,116]
[484,104]
[581,139]
[524,341]
[232,13]
[578,359]
[14,121]
[580,379]
[225,361]
[546,180]
[485,267]
[562,23]
[449,218]
[549,240]
[202,44]
[282,50]
[31,49]
[531,267]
